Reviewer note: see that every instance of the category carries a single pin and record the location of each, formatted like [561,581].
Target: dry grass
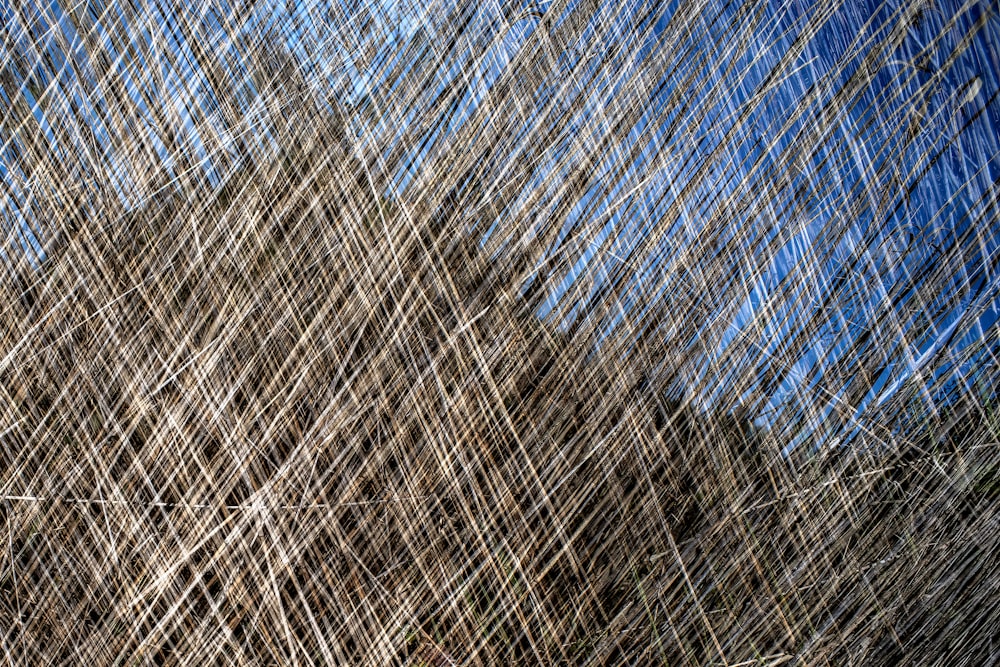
[304,414]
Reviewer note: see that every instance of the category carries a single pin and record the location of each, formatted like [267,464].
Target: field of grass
[287,411]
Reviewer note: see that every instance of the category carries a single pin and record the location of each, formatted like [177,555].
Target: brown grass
[293,420]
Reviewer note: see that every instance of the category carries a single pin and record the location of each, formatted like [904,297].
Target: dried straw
[495,334]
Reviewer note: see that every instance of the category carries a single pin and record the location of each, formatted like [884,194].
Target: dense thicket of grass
[290,411]
[279,442]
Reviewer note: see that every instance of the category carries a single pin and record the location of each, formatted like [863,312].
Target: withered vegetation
[300,415]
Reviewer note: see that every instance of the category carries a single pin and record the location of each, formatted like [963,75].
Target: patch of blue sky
[497,56]
[578,269]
